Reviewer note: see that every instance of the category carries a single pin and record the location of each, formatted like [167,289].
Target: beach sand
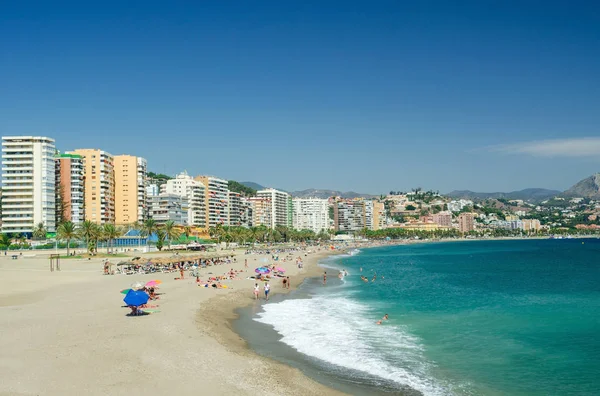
[67,333]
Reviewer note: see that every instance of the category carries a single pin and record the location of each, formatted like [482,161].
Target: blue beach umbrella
[262,270]
[135,298]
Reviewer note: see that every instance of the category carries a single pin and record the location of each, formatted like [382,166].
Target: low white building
[458,205]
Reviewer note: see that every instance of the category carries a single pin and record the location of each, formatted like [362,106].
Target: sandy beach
[67,333]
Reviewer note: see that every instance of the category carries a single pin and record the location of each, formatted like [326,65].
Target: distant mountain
[586,188]
[252,185]
[316,193]
[528,194]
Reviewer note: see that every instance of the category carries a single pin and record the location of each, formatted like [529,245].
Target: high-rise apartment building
[69,188]
[466,222]
[130,189]
[28,184]
[349,215]
[531,225]
[310,214]
[352,215]
[99,185]
[216,200]
[195,192]
[379,216]
[443,219]
[280,206]
[247,210]
[235,209]
[262,212]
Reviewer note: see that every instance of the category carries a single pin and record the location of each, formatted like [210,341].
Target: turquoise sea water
[466,318]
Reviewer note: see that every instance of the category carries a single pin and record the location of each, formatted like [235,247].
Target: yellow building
[378,215]
[99,185]
[130,191]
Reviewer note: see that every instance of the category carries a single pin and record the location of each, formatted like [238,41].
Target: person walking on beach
[246,263]
[267,289]
[256,291]
[324,278]
[288,282]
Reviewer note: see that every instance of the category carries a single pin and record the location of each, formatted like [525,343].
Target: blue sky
[364,96]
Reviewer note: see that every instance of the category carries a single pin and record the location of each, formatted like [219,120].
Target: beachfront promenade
[67,333]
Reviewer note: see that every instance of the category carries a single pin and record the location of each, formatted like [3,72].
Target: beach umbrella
[279,269]
[153,283]
[137,285]
[262,270]
[136,298]
[125,291]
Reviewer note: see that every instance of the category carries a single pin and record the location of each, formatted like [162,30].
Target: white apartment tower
[310,214]
[28,183]
[185,186]
[279,206]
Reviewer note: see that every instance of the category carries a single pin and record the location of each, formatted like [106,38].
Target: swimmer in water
[360,269]
[385,317]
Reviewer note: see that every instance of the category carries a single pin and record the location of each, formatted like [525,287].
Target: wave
[343,333]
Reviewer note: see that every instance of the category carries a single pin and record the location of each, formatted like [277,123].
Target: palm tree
[148,228]
[137,226]
[187,231]
[39,231]
[67,231]
[86,231]
[97,234]
[161,236]
[5,240]
[110,233]
[171,232]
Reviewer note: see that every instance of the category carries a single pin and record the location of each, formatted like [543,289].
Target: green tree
[66,231]
[148,228]
[171,231]
[86,231]
[160,241]
[187,231]
[110,233]
[39,231]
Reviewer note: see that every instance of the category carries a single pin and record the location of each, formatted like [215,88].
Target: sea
[509,317]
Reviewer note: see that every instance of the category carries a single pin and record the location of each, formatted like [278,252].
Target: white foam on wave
[343,332]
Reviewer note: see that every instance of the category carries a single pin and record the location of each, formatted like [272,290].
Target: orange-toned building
[99,185]
[69,188]
[130,191]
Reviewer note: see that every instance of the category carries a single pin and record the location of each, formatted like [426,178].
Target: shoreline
[216,320]
[66,332]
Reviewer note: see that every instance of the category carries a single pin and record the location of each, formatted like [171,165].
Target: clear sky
[369,96]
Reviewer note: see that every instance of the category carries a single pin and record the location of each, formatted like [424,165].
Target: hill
[241,188]
[528,194]
[252,185]
[311,192]
[316,193]
[586,188]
